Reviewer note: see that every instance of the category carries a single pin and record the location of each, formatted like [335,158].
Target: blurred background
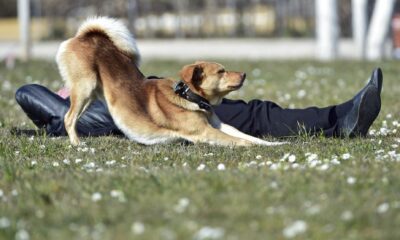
[284,29]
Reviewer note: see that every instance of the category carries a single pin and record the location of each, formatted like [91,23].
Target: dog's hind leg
[80,77]
[81,97]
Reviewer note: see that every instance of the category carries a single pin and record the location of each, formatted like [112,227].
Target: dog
[102,60]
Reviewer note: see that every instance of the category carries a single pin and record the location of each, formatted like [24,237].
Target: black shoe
[366,107]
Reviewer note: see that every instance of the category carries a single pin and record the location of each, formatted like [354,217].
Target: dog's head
[211,81]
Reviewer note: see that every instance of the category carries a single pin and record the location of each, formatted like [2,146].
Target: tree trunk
[379,28]
[327,29]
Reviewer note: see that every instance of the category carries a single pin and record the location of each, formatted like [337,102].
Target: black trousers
[257,118]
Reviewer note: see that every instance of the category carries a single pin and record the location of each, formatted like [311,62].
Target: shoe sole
[367,113]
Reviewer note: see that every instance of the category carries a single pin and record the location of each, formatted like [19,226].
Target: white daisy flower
[292,158]
[324,167]
[110,162]
[4,222]
[78,160]
[285,156]
[382,208]
[138,228]
[22,234]
[96,197]
[221,167]
[301,93]
[346,215]
[311,156]
[351,180]
[66,161]
[89,165]
[201,167]
[182,204]
[118,194]
[209,233]
[346,156]
[294,229]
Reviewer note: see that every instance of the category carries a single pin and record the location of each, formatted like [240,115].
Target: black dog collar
[184,91]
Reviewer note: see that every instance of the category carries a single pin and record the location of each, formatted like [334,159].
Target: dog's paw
[75,142]
[243,143]
[266,143]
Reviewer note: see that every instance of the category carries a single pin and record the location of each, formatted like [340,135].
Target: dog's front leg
[234,132]
[215,122]
[214,136]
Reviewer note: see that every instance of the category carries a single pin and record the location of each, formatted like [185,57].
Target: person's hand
[63,92]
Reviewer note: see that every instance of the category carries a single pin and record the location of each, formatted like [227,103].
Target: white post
[24,29]
[359,10]
[327,29]
[379,28]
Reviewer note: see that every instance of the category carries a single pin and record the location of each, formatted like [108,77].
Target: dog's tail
[115,30]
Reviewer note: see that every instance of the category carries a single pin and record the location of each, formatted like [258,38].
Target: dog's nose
[243,75]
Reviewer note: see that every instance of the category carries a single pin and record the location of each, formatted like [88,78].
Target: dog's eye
[221,71]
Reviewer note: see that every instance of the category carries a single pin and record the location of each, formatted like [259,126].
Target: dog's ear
[192,74]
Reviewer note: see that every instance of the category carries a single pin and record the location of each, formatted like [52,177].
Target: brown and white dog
[102,61]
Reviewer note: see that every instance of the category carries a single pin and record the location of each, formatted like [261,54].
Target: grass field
[313,188]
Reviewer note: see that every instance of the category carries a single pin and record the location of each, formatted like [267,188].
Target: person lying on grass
[257,118]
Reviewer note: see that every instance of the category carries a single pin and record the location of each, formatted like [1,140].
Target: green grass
[259,195]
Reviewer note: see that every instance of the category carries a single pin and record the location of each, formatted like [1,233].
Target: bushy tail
[115,30]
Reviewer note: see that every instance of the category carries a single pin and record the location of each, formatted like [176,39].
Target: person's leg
[43,107]
[261,118]
[46,109]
